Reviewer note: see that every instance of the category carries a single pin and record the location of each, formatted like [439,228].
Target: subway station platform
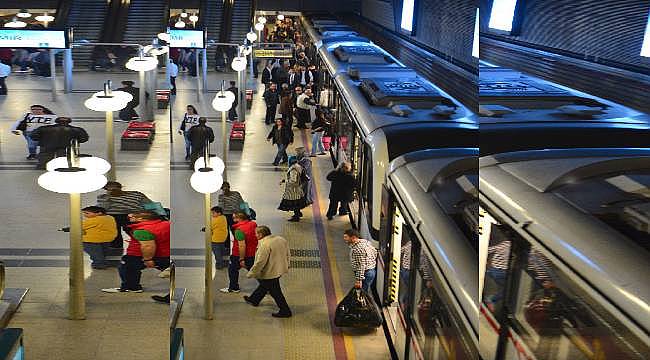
[36,254]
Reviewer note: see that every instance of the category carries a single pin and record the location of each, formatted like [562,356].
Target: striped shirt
[500,255]
[128,202]
[426,270]
[363,256]
[230,203]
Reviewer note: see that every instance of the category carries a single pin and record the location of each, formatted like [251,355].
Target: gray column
[198,77]
[67,71]
[53,73]
[204,70]
[143,98]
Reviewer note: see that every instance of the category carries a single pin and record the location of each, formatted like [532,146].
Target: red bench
[134,140]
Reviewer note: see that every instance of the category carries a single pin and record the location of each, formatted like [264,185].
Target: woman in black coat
[342,189]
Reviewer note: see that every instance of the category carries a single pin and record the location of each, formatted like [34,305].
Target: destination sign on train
[42,39]
[186,39]
[273,53]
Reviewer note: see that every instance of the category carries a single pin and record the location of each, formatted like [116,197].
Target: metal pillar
[143,97]
[110,146]
[251,81]
[168,84]
[76,302]
[209,288]
[67,70]
[204,70]
[198,78]
[241,85]
[53,73]
[224,144]
[152,85]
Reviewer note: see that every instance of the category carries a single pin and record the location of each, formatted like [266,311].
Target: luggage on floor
[358,310]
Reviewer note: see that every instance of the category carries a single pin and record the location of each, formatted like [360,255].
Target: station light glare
[184,13]
[44,18]
[144,63]
[164,37]
[645,47]
[206,182]
[79,181]
[179,24]
[15,23]
[503,12]
[214,162]
[91,163]
[408,6]
[194,18]
[251,36]
[23,13]
[239,63]
[280,17]
[475,42]
[261,20]
[259,26]
[223,101]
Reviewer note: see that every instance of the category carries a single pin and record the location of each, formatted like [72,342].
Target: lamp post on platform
[223,101]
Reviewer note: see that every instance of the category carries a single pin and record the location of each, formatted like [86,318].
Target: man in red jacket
[242,249]
[148,248]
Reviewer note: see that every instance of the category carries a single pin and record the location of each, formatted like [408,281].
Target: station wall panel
[601,31]
[310,5]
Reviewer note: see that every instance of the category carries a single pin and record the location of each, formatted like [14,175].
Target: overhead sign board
[273,53]
[23,38]
[186,39]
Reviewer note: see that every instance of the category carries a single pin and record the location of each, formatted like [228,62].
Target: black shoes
[32,157]
[161,299]
[294,219]
[249,301]
[281,315]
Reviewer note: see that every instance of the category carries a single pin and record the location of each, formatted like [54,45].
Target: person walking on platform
[173,73]
[272,99]
[128,113]
[281,136]
[230,202]
[54,139]
[199,135]
[37,116]
[286,105]
[190,119]
[293,198]
[99,229]
[266,74]
[219,232]
[318,128]
[119,203]
[304,104]
[271,262]
[5,70]
[341,190]
[242,250]
[232,113]
[363,259]
[148,248]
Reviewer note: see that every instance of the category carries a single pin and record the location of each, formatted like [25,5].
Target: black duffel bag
[358,310]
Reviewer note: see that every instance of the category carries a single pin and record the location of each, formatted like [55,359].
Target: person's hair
[63,120]
[95,209]
[351,233]
[45,110]
[127,83]
[112,183]
[203,120]
[263,230]
[232,83]
[240,215]
[193,109]
[217,209]
[146,215]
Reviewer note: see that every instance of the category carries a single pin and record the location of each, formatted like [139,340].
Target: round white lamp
[15,23]
[223,101]
[184,13]
[214,162]
[90,163]
[179,24]
[101,101]
[280,17]
[247,50]
[164,37]
[23,13]
[239,63]
[155,50]
[44,18]
[259,26]
[71,181]
[194,18]
[261,20]
[251,36]
[142,63]
[206,182]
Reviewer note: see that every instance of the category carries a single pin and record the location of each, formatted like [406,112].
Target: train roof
[438,190]
[340,54]
[590,208]
[520,112]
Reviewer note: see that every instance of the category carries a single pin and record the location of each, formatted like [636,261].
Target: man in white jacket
[5,70]
[271,262]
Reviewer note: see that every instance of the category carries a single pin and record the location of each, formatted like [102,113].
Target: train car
[521,112]
[429,241]
[564,253]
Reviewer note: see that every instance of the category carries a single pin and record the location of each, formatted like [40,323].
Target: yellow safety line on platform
[347,340]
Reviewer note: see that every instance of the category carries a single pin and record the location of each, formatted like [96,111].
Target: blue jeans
[282,154]
[96,252]
[32,145]
[499,277]
[233,270]
[369,279]
[317,143]
[219,250]
[188,143]
[131,267]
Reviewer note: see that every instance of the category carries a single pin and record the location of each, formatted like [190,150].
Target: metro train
[388,117]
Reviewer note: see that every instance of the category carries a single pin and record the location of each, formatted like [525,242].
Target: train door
[394,284]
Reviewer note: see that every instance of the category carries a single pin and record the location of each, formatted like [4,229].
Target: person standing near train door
[38,116]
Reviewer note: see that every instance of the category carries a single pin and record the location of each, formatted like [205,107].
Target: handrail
[172,280]
[2,279]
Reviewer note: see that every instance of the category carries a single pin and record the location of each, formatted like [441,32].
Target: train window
[408,15]
[438,331]
[645,47]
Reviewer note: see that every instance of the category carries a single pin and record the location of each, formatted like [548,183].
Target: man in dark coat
[266,74]
[342,189]
[272,99]
[128,113]
[281,136]
[54,139]
[232,113]
[198,135]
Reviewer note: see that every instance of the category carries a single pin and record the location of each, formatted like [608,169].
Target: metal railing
[2,279]
[172,280]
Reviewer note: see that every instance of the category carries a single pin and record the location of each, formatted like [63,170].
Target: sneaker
[119,290]
[312,155]
[249,301]
[322,153]
[32,157]
[330,217]
[228,290]
[281,315]
[161,299]
[165,273]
